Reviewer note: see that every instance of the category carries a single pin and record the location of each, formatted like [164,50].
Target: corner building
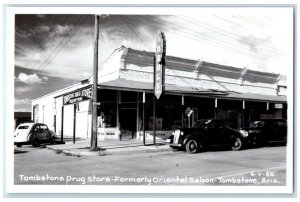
[125,94]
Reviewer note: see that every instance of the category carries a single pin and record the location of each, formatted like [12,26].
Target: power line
[196,37]
[201,35]
[132,27]
[176,75]
[61,45]
[45,53]
[226,33]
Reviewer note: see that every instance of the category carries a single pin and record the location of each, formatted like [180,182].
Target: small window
[44,127]
[36,128]
[23,127]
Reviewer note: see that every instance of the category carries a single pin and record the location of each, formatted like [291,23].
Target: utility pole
[94,88]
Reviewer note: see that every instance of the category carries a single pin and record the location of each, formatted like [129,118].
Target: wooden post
[182,111]
[62,124]
[74,123]
[137,113]
[268,113]
[243,113]
[94,88]
[154,120]
[154,101]
[118,110]
[216,107]
[144,135]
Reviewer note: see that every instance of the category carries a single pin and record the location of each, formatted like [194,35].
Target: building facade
[193,90]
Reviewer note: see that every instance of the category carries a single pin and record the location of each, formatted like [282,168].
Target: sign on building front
[77,96]
[159,67]
[189,112]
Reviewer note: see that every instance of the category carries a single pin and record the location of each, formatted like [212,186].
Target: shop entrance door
[128,119]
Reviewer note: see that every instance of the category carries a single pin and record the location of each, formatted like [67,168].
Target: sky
[55,51]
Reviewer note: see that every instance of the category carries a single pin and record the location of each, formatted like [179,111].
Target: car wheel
[237,144]
[52,141]
[36,143]
[18,145]
[191,146]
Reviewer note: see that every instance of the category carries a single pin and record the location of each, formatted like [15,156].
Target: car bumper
[175,145]
[15,143]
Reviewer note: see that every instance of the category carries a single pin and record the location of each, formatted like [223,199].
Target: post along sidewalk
[108,147]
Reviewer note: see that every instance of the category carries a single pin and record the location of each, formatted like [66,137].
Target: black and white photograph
[150,100]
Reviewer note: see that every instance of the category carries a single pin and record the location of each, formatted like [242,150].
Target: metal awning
[138,86]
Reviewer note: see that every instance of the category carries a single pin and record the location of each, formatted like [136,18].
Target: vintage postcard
[162,99]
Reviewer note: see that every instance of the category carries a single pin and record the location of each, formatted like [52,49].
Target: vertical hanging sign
[159,66]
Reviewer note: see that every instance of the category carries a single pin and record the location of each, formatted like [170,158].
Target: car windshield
[257,124]
[23,127]
[203,122]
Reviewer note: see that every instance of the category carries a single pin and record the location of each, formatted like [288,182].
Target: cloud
[43,28]
[23,105]
[45,78]
[253,42]
[29,79]
[22,89]
[22,101]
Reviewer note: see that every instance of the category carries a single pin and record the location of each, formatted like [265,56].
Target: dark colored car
[205,133]
[264,131]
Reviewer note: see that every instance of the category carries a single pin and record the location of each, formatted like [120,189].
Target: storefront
[193,90]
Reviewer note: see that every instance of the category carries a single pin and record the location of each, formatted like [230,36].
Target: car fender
[187,138]
[236,134]
[29,137]
[171,138]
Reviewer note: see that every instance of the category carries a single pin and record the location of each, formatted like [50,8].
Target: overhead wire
[134,30]
[60,46]
[194,36]
[47,52]
[226,33]
[174,72]
[180,34]
[203,36]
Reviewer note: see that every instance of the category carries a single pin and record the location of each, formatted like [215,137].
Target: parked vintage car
[33,133]
[264,131]
[204,133]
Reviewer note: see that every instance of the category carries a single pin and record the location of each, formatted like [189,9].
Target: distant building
[22,117]
[125,93]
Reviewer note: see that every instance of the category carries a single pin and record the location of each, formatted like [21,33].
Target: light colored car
[33,133]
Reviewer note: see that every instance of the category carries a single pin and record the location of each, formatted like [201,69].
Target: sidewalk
[108,147]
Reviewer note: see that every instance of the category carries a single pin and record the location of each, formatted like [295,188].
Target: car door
[281,130]
[271,130]
[36,132]
[223,132]
[44,134]
[215,132]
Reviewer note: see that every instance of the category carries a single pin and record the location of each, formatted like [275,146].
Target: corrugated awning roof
[123,84]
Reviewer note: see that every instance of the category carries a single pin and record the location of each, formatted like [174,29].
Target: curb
[106,153]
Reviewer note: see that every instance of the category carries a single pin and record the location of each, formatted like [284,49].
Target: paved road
[260,166]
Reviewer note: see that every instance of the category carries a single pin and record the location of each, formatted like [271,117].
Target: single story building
[193,90]
[22,117]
